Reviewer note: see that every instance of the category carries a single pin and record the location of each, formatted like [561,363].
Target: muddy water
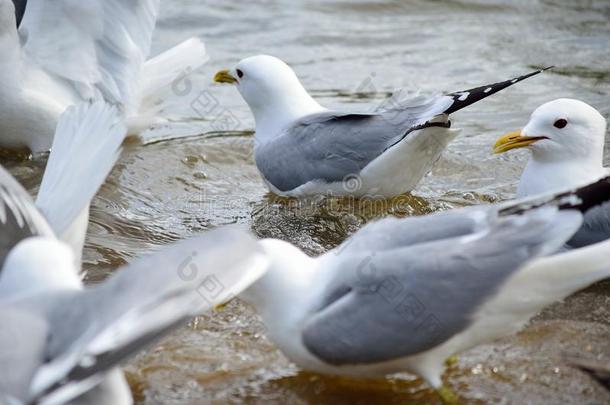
[350,55]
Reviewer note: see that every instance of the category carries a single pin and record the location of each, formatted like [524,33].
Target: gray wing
[19,217]
[143,301]
[401,302]
[23,339]
[391,233]
[595,227]
[330,146]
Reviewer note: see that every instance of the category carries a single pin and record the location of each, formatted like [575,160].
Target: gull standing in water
[407,294]
[566,138]
[302,148]
[68,51]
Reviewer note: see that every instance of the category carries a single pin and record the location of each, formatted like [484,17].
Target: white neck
[290,272]
[546,176]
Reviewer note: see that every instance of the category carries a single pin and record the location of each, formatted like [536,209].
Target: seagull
[303,149]
[61,341]
[65,52]
[566,138]
[407,294]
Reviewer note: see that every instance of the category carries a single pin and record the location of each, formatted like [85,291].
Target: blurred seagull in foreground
[66,51]
[566,138]
[60,341]
[302,148]
[407,294]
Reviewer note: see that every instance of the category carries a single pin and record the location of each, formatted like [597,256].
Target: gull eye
[240,74]
[560,123]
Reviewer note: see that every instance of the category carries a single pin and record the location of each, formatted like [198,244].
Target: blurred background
[350,55]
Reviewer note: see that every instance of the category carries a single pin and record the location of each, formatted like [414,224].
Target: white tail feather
[86,146]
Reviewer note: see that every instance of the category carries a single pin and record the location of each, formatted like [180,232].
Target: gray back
[394,303]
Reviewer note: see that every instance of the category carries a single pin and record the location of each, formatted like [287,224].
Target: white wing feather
[87,144]
[99,45]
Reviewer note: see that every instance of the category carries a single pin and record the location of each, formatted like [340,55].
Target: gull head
[271,89]
[37,265]
[563,129]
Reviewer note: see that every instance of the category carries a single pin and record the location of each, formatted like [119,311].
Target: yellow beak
[224,77]
[514,140]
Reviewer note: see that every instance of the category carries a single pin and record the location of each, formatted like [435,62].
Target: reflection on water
[351,55]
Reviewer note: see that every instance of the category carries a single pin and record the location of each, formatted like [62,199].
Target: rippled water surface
[350,55]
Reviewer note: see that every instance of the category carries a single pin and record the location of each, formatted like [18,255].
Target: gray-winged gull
[302,148]
[60,341]
[566,138]
[406,294]
[68,51]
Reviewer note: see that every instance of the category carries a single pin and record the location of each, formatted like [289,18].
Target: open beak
[224,77]
[514,140]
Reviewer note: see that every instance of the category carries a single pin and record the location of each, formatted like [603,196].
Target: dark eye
[240,74]
[560,123]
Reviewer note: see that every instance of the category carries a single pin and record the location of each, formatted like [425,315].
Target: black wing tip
[582,199]
[464,98]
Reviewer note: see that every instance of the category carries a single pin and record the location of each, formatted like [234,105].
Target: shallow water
[350,55]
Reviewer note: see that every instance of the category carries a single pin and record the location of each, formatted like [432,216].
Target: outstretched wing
[86,146]
[23,339]
[141,302]
[19,217]
[105,41]
[395,303]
